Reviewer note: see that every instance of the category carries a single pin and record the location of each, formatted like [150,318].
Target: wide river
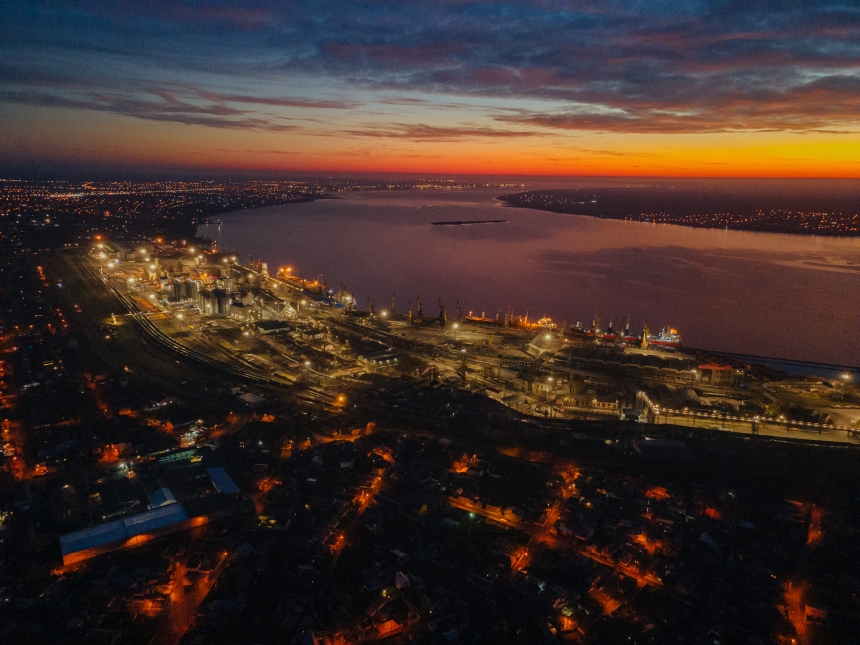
[755,293]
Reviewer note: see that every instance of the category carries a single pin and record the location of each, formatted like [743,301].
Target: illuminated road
[452,360]
[378,482]
[776,429]
[185,600]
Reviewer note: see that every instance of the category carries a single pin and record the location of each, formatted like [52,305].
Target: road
[378,482]
[185,600]
[775,429]
[443,355]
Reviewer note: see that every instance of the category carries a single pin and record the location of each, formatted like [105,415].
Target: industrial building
[165,516]
[214,301]
[119,534]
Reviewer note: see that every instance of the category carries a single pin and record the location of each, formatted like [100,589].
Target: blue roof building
[222,481]
[128,531]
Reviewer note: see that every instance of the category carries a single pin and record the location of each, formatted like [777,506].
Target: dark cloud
[421,132]
[655,67]
[170,110]
[814,106]
[314,104]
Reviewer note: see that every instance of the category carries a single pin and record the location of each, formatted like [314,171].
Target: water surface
[757,293]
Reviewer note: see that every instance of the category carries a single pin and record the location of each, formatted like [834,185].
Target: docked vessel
[668,337]
[510,320]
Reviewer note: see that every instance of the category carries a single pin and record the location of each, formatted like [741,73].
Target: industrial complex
[198,449]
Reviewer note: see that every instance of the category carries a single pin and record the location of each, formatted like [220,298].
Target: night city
[429,323]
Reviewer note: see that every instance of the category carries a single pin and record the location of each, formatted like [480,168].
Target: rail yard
[199,450]
[276,330]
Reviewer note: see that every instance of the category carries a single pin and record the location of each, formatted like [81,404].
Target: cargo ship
[510,320]
[668,337]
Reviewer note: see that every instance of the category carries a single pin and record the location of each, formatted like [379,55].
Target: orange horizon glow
[693,163]
[453,89]
[126,142]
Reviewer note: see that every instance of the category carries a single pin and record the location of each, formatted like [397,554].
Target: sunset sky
[548,88]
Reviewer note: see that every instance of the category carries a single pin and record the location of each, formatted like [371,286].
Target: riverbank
[799,213]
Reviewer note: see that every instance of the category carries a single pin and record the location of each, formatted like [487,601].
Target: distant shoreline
[707,212]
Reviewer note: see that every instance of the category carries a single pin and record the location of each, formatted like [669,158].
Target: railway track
[150,330]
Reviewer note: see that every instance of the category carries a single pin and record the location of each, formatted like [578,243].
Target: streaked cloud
[444,72]
[422,132]
[168,109]
[309,104]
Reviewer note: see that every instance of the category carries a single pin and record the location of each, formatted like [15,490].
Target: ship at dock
[669,337]
[514,321]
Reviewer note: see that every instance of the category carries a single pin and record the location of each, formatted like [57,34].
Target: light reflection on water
[757,293]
